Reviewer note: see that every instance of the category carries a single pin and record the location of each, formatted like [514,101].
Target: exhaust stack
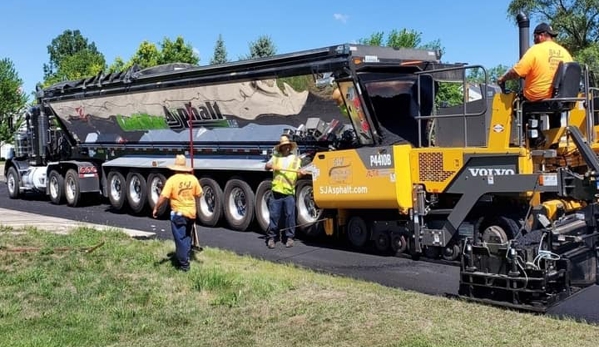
[524,29]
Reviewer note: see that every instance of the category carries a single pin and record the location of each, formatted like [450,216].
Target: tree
[72,57]
[148,55]
[118,65]
[262,47]
[375,39]
[177,52]
[12,99]
[220,52]
[576,21]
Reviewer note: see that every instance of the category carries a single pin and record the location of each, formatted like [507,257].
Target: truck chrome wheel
[239,204]
[306,208]
[210,206]
[12,183]
[263,196]
[154,185]
[308,214]
[116,189]
[208,203]
[72,191]
[56,187]
[136,191]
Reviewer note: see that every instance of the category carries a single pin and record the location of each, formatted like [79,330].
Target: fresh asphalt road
[327,256]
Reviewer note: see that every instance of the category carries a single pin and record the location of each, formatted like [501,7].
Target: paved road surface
[322,255]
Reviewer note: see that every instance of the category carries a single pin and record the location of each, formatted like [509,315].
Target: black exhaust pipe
[524,28]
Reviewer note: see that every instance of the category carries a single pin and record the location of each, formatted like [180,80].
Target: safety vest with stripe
[284,181]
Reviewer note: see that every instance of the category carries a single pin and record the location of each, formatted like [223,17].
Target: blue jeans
[182,228]
[281,203]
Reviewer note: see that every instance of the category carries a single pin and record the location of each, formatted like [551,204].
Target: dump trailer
[504,188]
[113,135]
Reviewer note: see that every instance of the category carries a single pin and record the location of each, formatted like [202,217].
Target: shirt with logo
[182,190]
[538,66]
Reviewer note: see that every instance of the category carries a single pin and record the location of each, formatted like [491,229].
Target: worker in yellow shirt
[181,189]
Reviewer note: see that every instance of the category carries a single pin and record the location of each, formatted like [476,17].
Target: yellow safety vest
[284,181]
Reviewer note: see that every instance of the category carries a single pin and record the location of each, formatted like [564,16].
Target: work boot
[289,243]
[271,243]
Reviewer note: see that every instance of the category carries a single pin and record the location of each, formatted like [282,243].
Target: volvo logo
[491,171]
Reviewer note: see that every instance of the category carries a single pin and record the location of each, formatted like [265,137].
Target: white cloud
[341,17]
[196,51]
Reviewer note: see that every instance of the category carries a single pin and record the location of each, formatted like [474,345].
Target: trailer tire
[116,190]
[12,183]
[136,191]
[154,186]
[56,187]
[72,190]
[308,215]
[263,195]
[210,206]
[238,204]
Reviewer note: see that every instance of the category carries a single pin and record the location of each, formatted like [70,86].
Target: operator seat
[565,88]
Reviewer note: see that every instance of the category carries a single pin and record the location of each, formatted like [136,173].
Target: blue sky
[472,31]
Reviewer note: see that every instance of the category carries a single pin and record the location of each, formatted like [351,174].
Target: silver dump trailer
[113,135]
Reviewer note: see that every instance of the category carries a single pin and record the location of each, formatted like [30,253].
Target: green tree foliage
[72,57]
[220,52]
[375,39]
[148,54]
[12,99]
[477,76]
[262,47]
[576,21]
[404,38]
[177,52]
[118,65]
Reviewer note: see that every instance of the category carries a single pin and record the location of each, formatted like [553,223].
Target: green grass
[126,293]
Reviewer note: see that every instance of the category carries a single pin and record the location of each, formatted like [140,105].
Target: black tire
[399,243]
[136,191]
[499,229]
[12,183]
[382,242]
[116,190]
[72,191]
[452,252]
[239,202]
[263,195]
[154,186]
[56,187]
[308,214]
[210,206]
[357,232]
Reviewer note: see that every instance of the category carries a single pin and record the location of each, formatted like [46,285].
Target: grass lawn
[126,293]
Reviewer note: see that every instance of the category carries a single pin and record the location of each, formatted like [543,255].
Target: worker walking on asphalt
[285,165]
[181,189]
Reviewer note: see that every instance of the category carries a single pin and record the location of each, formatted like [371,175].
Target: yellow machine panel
[364,178]
[435,168]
